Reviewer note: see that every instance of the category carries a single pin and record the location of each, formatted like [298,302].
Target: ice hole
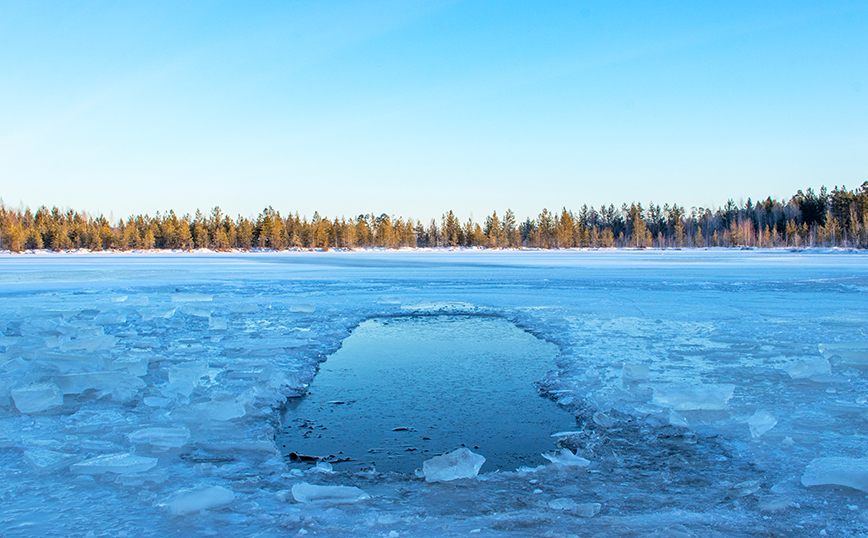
[402,390]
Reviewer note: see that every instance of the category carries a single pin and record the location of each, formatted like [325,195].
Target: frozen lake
[710,393]
[404,389]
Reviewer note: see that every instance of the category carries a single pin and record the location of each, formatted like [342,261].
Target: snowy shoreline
[152,252]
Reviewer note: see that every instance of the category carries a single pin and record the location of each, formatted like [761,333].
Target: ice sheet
[716,393]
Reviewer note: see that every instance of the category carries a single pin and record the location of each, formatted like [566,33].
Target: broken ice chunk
[603,420]
[562,504]
[850,354]
[164,313]
[389,299]
[46,461]
[775,503]
[218,324]
[188,372]
[191,298]
[89,343]
[156,401]
[837,471]
[78,383]
[161,437]
[136,364]
[566,458]
[677,419]
[190,501]
[242,308]
[635,373]
[809,368]
[761,422]
[124,391]
[302,308]
[93,421]
[857,359]
[572,507]
[197,312]
[693,397]
[460,463]
[110,318]
[115,463]
[219,410]
[743,489]
[310,493]
[37,398]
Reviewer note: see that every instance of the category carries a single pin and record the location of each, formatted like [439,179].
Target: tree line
[808,219]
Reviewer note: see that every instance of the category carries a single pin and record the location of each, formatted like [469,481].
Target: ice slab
[460,463]
[89,343]
[572,507]
[566,458]
[110,318]
[855,359]
[635,373]
[302,308]
[115,463]
[164,313]
[837,471]
[161,437]
[189,372]
[192,501]
[311,493]
[136,364]
[806,369]
[37,397]
[677,419]
[693,397]
[46,461]
[100,381]
[761,422]
[192,298]
[219,410]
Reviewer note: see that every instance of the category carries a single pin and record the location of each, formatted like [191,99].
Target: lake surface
[402,390]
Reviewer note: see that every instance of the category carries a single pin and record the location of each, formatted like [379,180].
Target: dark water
[402,390]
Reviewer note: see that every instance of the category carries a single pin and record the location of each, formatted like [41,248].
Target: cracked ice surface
[716,393]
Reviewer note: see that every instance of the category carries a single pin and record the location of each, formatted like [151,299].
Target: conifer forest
[836,218]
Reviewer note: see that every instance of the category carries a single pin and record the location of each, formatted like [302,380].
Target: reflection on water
[402,390]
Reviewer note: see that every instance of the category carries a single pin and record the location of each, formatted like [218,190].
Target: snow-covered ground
[717,393]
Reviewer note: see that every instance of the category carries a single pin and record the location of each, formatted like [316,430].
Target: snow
[715,393]
[460,463]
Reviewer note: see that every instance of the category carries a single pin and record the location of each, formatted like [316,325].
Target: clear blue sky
[413,108]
